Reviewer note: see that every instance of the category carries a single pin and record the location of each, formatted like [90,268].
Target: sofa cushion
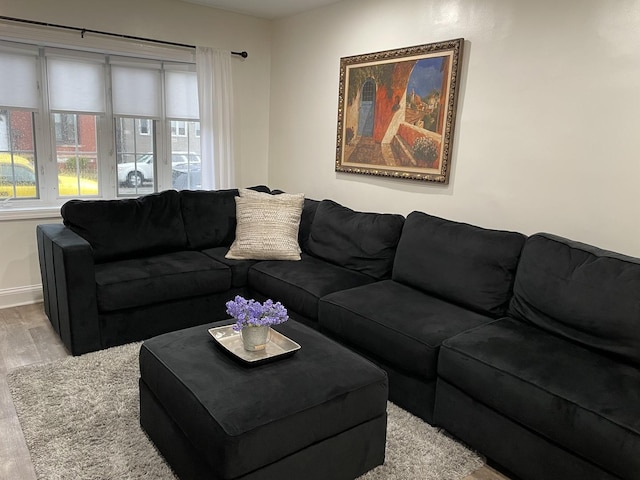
[306,220]
[567,393]
[580,292]
[210,216]
[267,226]
[361,241]
[239,268]
[461,263]
[162,278]
[394,323]
[128,228]
[299,285]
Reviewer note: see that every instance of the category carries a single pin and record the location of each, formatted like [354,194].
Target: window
[77,156]
[17,155]
[137,103]
[136,155]
[19,100]
[17,177]
[108,126]
[185,164]
[182,108]
[145,126]
[178,129]
[65,128]
[76,101]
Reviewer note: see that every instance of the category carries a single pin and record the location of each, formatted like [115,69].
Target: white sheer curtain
[215,96]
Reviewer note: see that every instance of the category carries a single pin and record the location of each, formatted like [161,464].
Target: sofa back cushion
[306,220]
[126,228]
[361,241]
[464,264]
[210,216]
[580,292]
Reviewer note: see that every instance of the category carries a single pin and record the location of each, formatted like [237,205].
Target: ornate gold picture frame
[397,111]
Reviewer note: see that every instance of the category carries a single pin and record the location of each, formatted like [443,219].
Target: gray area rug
[80,420]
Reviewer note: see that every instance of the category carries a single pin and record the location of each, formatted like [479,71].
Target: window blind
[76,85]
[19,80]
[136,91]
[181,90]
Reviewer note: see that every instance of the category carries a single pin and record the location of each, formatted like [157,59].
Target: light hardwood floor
[26,337]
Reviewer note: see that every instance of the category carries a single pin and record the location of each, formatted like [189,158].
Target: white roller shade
[76,85]
[18,81]
[136,91]
[181,92]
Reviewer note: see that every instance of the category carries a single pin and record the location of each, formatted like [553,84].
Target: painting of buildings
[397,115]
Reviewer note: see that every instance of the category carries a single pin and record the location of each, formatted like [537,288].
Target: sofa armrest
[68,284]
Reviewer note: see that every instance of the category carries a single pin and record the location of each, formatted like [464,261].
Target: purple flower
[249,312]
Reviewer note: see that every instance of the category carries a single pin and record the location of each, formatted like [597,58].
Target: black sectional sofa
[527,349]
[557,379]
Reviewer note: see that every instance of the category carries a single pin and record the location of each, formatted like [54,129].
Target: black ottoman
[320,414]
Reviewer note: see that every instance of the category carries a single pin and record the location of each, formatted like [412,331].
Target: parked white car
[134,174]
[185,157]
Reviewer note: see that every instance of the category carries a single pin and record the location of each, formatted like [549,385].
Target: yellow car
[22,174]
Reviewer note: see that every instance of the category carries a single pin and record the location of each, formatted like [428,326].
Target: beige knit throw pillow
[267,226]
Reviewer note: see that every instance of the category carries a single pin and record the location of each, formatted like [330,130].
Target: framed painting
[397,110]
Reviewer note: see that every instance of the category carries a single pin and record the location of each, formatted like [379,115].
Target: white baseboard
[13,297]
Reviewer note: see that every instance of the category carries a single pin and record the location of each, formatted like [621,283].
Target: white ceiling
[270,9]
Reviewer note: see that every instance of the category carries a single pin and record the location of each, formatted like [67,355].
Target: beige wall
[166,20]
[19,270]
[547,131]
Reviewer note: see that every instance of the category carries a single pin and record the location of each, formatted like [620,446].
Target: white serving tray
[277,347]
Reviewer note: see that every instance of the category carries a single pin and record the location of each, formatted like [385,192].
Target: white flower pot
[255,338]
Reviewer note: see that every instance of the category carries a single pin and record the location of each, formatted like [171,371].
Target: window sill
[32,213]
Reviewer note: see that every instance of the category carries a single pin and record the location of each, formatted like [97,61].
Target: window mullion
[163,140]
[107,142]
[47,174]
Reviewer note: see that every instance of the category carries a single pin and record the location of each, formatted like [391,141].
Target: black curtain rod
[82,31]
